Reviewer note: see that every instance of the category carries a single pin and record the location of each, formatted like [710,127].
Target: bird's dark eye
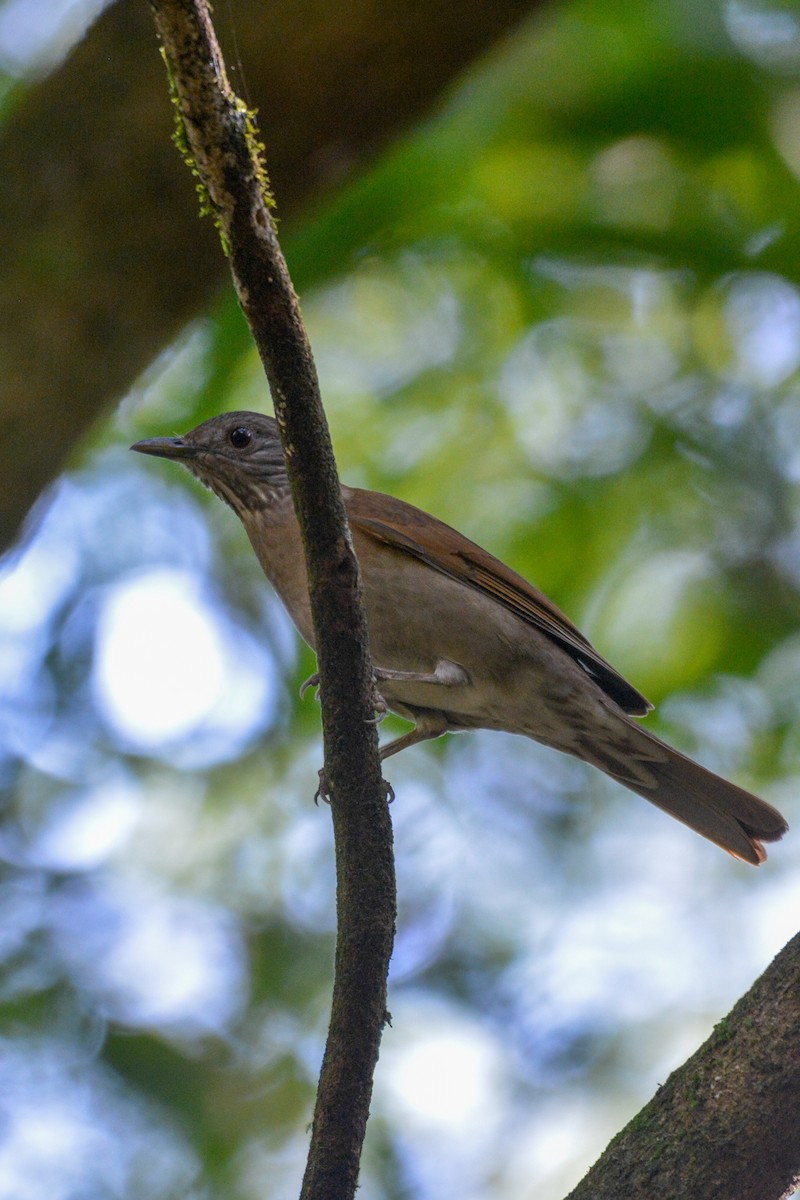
[240,437]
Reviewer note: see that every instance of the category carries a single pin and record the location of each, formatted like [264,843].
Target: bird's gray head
[238,455]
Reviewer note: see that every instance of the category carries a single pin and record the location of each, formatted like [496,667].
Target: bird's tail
[722,812]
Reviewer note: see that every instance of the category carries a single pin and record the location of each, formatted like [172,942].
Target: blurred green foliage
[565,317]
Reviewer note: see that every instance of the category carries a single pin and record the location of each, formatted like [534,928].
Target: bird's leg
[429,725]
[432,724]
[445,673]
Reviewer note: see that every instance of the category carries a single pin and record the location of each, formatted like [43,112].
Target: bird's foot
[312,681]
[323,791]
[379,704]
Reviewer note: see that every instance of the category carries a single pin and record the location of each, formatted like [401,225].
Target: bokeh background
[564,315]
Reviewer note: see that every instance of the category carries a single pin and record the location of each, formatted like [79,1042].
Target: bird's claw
[381,709]
[380,705]
[312,681]
[323,791]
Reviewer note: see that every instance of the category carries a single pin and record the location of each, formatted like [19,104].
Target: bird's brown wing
[409,529]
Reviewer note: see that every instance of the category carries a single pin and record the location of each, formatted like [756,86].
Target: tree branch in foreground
[725,1125]
[221,142]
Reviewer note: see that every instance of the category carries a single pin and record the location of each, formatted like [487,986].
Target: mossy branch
[726,1124]
[222,142]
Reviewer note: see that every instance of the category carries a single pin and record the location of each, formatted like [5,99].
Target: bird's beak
[166,447]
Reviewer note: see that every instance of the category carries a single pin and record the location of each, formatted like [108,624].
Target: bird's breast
[275,537]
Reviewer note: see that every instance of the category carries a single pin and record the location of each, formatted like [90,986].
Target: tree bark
[102,257]
[725,1125]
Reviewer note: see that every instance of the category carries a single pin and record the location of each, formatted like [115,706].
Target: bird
[459,640]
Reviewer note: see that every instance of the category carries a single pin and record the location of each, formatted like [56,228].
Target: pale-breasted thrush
[459,640]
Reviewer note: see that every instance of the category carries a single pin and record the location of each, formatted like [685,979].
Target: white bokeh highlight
[168,665]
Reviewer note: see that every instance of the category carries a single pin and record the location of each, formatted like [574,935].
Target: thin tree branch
[725,1125]
[222,144]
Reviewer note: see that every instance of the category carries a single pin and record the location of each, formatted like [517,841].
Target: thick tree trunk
[103,259]
[725,1125]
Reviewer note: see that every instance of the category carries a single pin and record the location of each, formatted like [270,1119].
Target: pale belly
[517,679]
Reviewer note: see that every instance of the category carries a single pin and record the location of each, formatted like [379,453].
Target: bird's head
[238,455]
